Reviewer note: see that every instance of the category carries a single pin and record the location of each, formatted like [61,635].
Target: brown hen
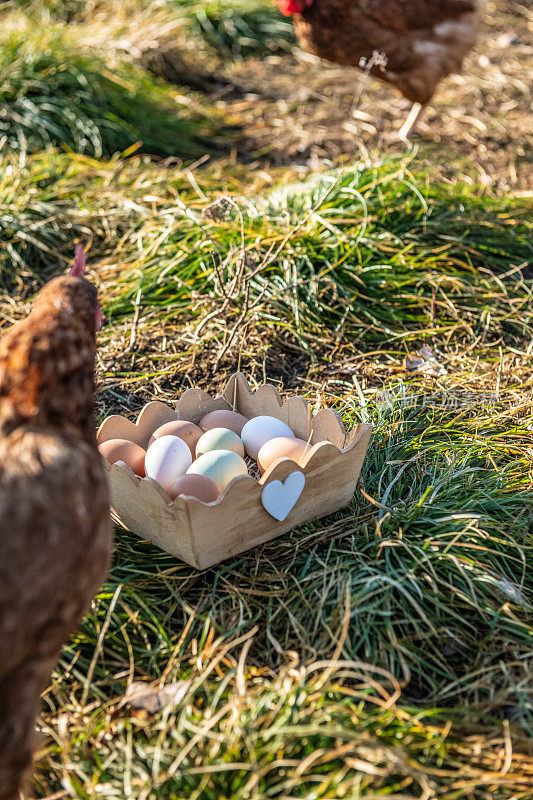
[55,531]
[422,41]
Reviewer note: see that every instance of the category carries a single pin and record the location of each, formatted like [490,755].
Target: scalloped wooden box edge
[203,534]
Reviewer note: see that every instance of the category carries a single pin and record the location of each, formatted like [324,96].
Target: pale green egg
[219,465]
[219,439]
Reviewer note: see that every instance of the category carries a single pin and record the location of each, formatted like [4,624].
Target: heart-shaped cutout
[280,498]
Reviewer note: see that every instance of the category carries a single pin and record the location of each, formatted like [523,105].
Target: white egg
[166,459]
[259,430]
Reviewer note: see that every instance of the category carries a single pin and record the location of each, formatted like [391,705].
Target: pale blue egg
[219,439]
[222,466]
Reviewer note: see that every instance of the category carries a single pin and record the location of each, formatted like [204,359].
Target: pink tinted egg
[231,420]
[187,431]
[123,450]
[199,486]
[281,447]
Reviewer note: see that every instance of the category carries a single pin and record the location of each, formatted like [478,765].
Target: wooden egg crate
[203,534]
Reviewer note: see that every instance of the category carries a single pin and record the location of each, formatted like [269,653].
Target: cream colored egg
[219,439]
[259,430]
[282,447]
[222,466]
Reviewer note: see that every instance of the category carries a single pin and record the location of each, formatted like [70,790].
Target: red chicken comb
[79,262]
[288,7]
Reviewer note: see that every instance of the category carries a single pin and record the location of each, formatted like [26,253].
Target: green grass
[363,252]
[227,29]
[64,10]
[54,200]
[55,93]
[329,730]
[239,30]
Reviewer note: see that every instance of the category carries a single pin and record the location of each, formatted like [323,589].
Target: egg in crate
[166,459]
[224,419]
[221,466]
[282,447]
[199,486]
[123,450]
[220,439]
[188,431]
[259,430]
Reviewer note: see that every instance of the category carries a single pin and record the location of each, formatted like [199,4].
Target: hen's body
[55,534]
[423,41]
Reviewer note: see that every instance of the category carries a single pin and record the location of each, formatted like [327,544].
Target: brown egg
[122,450]
[199,486]
[281,447]
[231,420]
[188,431]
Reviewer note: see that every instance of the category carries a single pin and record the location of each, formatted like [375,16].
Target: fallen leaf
[427,353]
[425,362]
[152,698]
